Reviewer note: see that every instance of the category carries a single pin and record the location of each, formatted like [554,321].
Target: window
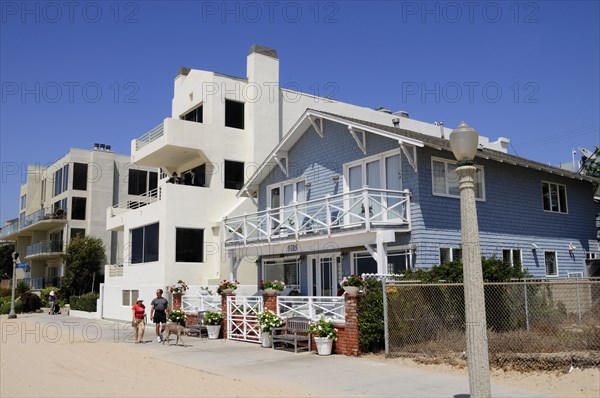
[130,297]
[80,175]
[195,115]
[551,264]
[141,181]
[555,197]
[445,180]
[449,254]
[23,202]
[78,208]
[60,207]
[234,114]
[61,180]
[234,174]
[398,260]
[189,245]
[512,257]
[195,176]
[144,244]
[77,232]
[283,269]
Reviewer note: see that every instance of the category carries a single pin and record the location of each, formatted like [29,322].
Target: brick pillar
[224,312]
[347,343]
[270,302]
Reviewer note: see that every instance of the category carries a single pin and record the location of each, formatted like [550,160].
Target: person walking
[138,321]
[159,309]
[51,301]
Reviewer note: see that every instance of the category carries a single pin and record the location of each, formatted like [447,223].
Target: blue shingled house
[339,196]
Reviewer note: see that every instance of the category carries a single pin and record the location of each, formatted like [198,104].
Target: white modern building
[221,128]
[69,198]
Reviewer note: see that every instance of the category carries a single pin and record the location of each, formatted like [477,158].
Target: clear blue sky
[82,72]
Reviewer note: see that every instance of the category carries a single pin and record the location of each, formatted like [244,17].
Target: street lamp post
[12,314]
[464,141]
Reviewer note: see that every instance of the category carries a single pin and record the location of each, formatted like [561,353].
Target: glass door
[323,270]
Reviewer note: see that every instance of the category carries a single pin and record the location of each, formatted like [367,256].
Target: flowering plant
[274,284]
[179,287]
[212,318]
[323,328]
[227,285]
[177,316]
[269,320]
[352,280]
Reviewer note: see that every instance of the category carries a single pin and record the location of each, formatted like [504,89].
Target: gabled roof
[403,136]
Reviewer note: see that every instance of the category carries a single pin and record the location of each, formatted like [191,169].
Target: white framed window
[381,171]
[449,254]
[444,179]
[554,197]
[285,269]
[286,193]
[513,257]
[398,260]
[551,263]
[23,202]
[129,297]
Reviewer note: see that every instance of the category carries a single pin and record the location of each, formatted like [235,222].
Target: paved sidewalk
[332,376]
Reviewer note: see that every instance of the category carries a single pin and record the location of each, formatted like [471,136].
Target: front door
[323,274]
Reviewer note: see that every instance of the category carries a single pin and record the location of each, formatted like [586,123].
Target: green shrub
[22,289]
[86,302]
[370,317]
[5,308]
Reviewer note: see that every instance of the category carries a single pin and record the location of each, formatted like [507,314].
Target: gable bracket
[412,158]
[360,138]
[280,158]
[318,128]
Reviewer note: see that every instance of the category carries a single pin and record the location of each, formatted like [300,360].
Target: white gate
[242,318]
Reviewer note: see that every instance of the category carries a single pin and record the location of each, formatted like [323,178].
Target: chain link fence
[532,325]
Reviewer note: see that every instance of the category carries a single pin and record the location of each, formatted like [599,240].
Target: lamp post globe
[463,142]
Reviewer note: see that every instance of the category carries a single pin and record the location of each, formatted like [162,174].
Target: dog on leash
[176,329]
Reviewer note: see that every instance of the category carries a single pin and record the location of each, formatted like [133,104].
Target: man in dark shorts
[159,310]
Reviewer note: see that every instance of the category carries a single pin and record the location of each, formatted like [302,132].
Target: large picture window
[61,180]
[78,208]
[144,244]
[234,114]
[445,179]
[283,269]
[398,260]
[189,245]
[449,254]
[512,257]
[195,115]
[555,197]
[141,181]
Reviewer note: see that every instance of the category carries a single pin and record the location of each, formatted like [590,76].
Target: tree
[83,258]
[591,166]
[6,260]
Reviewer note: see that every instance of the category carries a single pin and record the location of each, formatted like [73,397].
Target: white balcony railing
[150,136]
[312,307]
[43,214]
[9,229]
[136,202]
[329,215]
[115,270]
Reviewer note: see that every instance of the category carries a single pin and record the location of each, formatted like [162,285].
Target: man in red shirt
[138,321]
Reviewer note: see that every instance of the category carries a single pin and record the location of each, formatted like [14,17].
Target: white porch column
[381,255]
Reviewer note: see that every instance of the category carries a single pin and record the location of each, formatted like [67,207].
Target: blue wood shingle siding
[511,217]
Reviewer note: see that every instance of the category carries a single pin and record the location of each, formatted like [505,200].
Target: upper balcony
[342,214]
[171,144]
[42,220]
[44,249]
[132,203]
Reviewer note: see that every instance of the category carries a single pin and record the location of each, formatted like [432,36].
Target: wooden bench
[294,332]
[200,327]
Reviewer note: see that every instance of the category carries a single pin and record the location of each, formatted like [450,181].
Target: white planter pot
[324,345]
[271,291]
[353,290]
[266,339]
[213,331]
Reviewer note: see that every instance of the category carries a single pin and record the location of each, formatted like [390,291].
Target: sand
[45,360]
[578,383]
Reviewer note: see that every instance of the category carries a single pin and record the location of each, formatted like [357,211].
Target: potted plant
[227,287]
[272,287]
[212,320]
[177,316]
[352,284]
[179,287]
[324,333]
[268,320]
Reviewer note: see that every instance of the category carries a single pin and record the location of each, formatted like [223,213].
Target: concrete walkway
[332,376]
